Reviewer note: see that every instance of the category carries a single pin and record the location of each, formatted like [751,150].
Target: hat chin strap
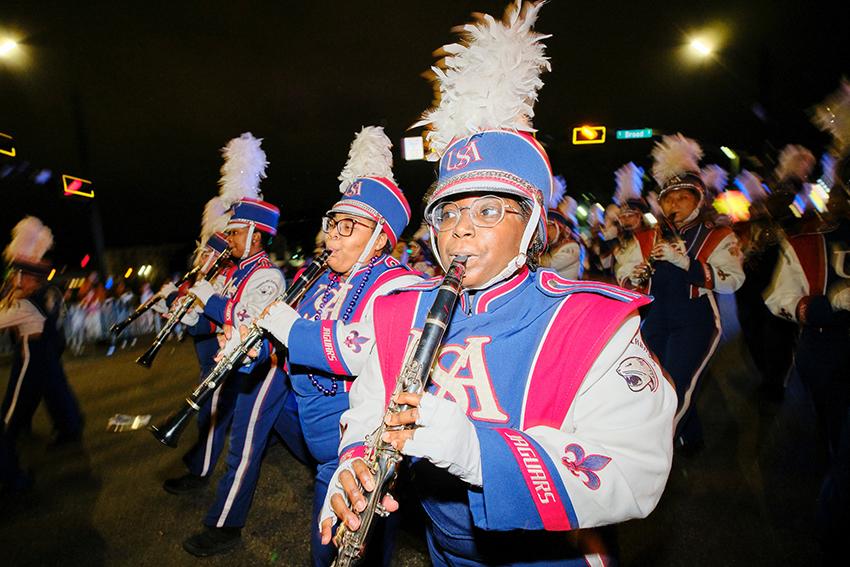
[367,250]
[514,264]
[210,258]
[248,238]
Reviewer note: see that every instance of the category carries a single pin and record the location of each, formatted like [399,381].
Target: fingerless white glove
[447,438]
[203,290]
[278,320]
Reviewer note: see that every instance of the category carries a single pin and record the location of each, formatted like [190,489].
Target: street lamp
[7,46]
[702,47]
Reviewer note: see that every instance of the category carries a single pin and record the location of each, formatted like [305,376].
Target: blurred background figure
[33,310]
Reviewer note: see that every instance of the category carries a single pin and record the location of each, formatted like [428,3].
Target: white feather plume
[833,116]
[214,219]
[30,240]
[243,169]
[714,177]
[559,189]
[654,205]
[629,180]
[751,185]
[675,155]
[489,78]
[791,158]
[568,207]
[370,156]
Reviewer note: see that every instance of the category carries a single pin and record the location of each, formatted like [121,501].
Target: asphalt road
[748,498]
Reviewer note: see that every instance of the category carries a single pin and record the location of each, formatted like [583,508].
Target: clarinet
[381,458]
[146,306]
[168,432]
[668,233]
[147,357]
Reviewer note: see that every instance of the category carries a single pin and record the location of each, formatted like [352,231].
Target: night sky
[140,97]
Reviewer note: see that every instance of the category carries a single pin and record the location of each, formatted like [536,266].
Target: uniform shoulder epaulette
[424,285]
[554,285]
[392,263]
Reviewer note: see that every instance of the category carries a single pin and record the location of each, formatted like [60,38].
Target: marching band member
[326,348]
[249,287]
[770,341]
[565,253]
[544,413]
[637,236]
[811,286]
[33,309]
[682,325]
[243,168]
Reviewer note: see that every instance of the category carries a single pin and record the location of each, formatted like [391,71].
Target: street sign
[639,134]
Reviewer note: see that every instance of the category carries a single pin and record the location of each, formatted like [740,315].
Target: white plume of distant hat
[714,177]
[370,155]
[31,240]
[559,190]
[673,156]
[243,168]
[629,183]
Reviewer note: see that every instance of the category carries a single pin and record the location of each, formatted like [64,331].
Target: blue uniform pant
[684,348]
[258,402]
[37,374]
[318,416]
[214,420]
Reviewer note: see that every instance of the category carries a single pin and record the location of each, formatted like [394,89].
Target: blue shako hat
[501,161]
[378,199]
[217,243]
[264,216]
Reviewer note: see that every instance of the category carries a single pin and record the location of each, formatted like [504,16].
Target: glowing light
[589,135]
[733,204]
[728,153]
[128,273]
[72,186]
[581,212]
[11,150]
[818,196]
[7,47]
[412,148]
[701,46]
[52,274]
[85,261]
[109,282]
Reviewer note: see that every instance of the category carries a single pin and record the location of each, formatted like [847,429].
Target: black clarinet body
[185,305]
[381,457]
[146,306]
[169,431]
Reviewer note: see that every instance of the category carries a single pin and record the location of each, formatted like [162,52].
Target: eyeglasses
[344,227]
[484,212]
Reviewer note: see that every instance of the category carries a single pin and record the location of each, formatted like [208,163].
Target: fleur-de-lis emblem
[242,315]
[584,467]
[354,341]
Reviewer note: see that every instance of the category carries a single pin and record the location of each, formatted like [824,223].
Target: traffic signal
[589,135]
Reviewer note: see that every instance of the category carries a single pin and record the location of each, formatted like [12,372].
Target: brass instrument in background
[146,306]
[168,432]
[180,308]
[381,457]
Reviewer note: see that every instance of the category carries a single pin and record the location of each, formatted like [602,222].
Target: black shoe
[213,541]
[186,484]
